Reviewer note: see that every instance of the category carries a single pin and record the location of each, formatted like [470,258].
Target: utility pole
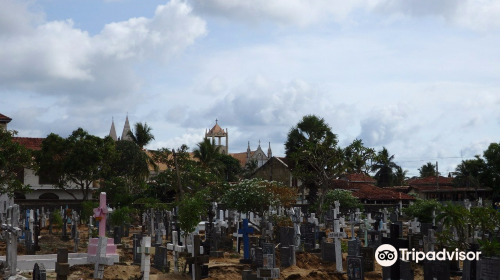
[178,176]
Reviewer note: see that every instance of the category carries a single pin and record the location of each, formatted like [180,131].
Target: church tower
[269,152]
[112,131]
[126,129]
[218,132]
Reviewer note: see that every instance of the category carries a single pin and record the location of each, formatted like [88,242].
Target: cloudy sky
[420,77]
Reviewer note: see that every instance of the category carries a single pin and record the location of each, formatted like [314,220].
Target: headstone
[270,250]
[257,257]
[416,241]
[287,256]
[368,255]
[487,269]
[437,270]
[327,252]
[405,270]
[100,259]
[197,260]
[62,265]
[160,259]
[176,249]
[470,267]
[355,268]
[39,272]
[397,243]
[12,232]
[146,250]
[287,236]
[117,236]
[247,275]
[353,247]
[136,243]
[246,242]
[77,241]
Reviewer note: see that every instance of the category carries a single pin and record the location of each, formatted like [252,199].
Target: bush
[57,219]
[88,209]
[121,216]
[345,197]
[422,209]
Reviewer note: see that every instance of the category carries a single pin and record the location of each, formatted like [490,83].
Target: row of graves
[227,231]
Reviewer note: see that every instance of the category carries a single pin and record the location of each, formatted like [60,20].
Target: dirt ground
[308,266]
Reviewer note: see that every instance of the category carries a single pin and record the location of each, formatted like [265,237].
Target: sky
[419,77]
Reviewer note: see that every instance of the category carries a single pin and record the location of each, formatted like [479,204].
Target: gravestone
[368,255]
[176,249]
[247,275]
[257,257]
[287,236]
[327,252]
[374,238]
[117,236]
[287,256]
[437,270]
[160,259]
[416,241]
[397,243]
[62,265]
[246,242]
[136,243]
[355,268]
[405,270]
[39,272]
[77,242]
[197,260]
[400,224]
[270,250]
[100,259]
[487,269]
[11,233]
[146,250]
[353,247]
[470,267]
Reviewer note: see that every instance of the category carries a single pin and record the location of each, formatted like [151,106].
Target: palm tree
[427,170]
[207,153]
[384,167]
[141,135]
[400,176]
[250,167]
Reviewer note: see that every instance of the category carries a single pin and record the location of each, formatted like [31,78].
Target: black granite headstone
[39,272]
[353,247]
[487,269]
[269,249]
[327,252]
[136,243]
[368,255]
[355,268]
[434,270]
[405,270]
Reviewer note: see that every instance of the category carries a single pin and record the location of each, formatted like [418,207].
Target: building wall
[275,171]
[33,180]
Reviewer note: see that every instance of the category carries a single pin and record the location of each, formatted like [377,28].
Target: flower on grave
[98,218]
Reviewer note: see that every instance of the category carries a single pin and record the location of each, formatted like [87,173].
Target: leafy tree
[315,158]
[141,135]
[358,158]
[454,217]
[427,170]
[422,210]
[208,155]
[231,167]
[77,161]
[345,197]
[190,210]
[400,176]
[121,216]
[250,167]
[132,165]
[471,173]
[384,168]
[256,195]
[88,208]
[14,157]
[492,158]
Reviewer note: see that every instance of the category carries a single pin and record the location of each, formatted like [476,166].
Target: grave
[12,232]
[368,255]
[136,243]
[327,252]
[100,215]
[39,272]
[62,265]
[246,246]
[355,268]
[160,259]
[436,270]
[176,249]
[146,250]
[470,267]
[270,250]
[197,260]
[100,259]
[405,270]
[287,256]
[397,243]
[487,269]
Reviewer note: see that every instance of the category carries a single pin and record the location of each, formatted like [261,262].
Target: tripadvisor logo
[386,255]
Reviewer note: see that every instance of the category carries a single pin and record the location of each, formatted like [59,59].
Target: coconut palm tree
[207,154]
[141,135]
[384,168]
[427,170]
[400,176]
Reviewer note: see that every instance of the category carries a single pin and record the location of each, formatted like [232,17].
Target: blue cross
[245,231]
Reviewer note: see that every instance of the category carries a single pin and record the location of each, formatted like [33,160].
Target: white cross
[189,242]
[146,250]
[415,226]
[100,259]
[175,248]
[336,235]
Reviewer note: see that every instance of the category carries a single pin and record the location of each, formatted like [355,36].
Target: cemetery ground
[308,265]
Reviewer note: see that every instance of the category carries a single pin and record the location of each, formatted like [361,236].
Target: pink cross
[101,212]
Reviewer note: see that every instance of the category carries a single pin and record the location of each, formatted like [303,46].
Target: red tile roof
[4,118]
[368,191]
[30,143]
[431,180]
[359,178]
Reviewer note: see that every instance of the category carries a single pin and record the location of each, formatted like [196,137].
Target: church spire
[269,152]
[112,131]
[126,129]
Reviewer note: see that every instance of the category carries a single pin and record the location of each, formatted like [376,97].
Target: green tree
[453,217]
[427,170]
[250,167]
[132,165]
[384,168]
[345,197]
[422,209]
[358,158]
[208,155]
[14,157]
[231,167]
[471,173]
[315,159]
[191,208]
[400,176]
[141,135]
[492,158]
[77,161]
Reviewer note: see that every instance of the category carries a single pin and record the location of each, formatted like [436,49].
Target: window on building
[47,179]
[49,196]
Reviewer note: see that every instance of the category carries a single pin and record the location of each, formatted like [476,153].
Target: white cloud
[473,14]
[91,72]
